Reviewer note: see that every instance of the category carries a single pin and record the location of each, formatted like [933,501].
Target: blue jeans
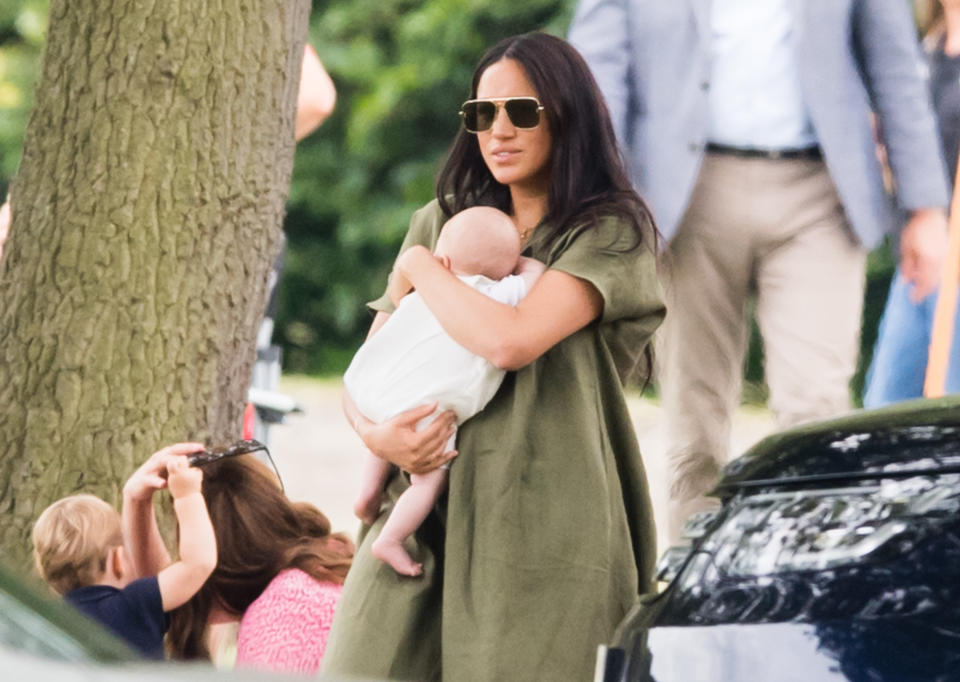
[900,357]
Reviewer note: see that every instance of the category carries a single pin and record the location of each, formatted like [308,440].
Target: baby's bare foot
[393,553]
[367,507]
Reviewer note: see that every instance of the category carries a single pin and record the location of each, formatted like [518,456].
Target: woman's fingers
[412,416]
[184,448]
[438,431]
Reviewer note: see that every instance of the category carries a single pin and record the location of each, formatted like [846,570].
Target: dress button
[705,85]
[693,146]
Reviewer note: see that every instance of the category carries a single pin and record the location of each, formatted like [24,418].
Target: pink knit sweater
[286,628]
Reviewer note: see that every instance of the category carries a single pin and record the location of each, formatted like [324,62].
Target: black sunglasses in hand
[240,447]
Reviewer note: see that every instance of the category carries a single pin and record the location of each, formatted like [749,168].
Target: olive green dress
[546,536]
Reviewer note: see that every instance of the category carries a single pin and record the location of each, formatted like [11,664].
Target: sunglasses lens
[523,112]
[478,116]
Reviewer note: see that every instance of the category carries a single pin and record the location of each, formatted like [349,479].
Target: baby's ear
[444,261]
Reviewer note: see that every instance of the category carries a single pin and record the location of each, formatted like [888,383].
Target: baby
[79,550]
[411,361]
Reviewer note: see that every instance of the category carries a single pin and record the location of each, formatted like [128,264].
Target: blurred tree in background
[402,68]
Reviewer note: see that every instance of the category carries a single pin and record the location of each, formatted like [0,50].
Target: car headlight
[777,532]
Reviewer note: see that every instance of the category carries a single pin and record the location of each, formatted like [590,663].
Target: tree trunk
[146,215]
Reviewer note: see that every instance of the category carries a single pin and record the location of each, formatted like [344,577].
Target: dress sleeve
[626,278]
[424,229]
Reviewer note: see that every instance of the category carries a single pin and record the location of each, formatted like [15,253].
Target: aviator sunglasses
[241,447]
[478,114]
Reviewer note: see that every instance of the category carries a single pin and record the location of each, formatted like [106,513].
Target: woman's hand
[398,441]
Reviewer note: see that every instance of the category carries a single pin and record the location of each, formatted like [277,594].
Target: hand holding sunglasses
[240,447]
[478,115]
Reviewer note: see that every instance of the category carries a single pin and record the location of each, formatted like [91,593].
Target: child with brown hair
[79,550]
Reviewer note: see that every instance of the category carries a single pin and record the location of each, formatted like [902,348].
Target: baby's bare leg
[375,473]
[408,513]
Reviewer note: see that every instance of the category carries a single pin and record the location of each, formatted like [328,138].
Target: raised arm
[198,544]
[140,531]
[510,337]
[316,96]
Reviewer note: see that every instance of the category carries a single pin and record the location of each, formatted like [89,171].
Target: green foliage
[402,68]
[22,27]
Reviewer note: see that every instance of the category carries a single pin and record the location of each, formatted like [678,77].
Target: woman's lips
[504,154]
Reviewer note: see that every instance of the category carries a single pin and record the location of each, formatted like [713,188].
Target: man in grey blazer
[748,126]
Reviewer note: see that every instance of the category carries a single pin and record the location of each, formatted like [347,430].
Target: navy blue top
[134,614]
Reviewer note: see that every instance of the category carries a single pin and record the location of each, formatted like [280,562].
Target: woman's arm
[397,440]
[316,96]
[510,337]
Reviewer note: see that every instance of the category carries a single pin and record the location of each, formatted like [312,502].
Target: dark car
[835,556]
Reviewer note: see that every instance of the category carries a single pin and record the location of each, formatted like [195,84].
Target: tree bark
[146,215]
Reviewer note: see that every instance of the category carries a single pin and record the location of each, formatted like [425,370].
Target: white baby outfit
[411,361]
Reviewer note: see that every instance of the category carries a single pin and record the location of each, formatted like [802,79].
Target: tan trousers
[774,229]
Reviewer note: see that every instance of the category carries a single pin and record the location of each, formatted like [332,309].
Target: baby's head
[73,540]
[480,241]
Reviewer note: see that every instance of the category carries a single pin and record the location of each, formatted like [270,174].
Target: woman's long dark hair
[588,177]
[259,533]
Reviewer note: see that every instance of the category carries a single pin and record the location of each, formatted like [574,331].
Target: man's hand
[923,245]
[152,474]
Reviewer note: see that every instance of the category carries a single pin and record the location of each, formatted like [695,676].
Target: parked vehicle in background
[266,406]
[835,556]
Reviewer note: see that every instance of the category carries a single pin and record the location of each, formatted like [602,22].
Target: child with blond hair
[79,550]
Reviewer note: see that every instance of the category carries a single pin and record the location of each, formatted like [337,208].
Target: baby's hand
[183,479]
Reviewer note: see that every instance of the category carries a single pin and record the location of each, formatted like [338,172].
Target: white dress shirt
[755,96]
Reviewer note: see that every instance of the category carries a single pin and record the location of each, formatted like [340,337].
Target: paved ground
[318,453]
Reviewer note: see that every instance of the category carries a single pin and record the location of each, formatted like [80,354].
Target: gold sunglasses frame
[498,104]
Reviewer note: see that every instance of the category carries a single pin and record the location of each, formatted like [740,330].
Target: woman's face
[518,157]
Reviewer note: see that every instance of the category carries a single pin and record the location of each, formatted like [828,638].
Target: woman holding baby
[546,534]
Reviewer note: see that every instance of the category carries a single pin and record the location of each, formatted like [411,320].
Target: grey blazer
[651,59]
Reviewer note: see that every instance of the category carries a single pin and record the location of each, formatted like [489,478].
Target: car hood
[919,437]
[784,652]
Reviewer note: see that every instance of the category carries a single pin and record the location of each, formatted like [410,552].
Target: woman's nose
[502,125]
